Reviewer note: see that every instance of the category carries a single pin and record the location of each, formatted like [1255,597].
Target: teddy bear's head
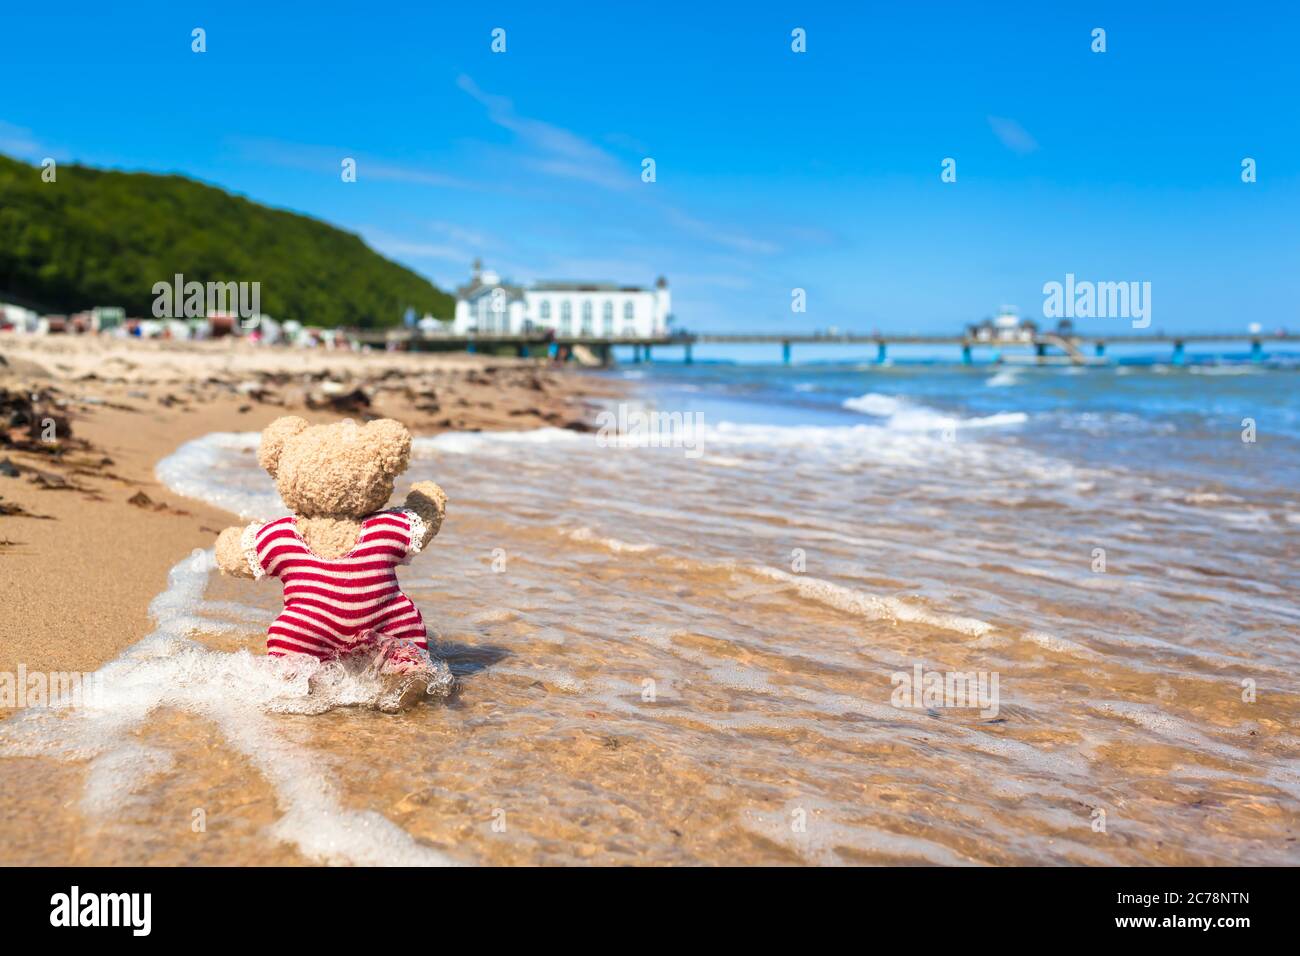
[344,470]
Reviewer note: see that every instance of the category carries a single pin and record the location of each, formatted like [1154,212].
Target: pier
[1047,348]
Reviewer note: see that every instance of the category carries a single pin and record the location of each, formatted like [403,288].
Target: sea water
[757,654]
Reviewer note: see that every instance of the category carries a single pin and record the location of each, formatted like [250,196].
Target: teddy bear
[337,553]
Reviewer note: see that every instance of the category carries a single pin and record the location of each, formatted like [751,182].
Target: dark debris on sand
[35,422]
[141,500]
[9,509]
[353,402]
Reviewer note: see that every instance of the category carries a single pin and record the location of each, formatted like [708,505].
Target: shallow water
[667,657]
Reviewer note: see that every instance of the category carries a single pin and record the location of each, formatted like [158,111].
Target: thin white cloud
[561,153]
[629,143]
[721,235]
[329,159]
[715,280]
[406,174]
[467,237]
[397,247]
[554,150]
[1012,135]
[21,142]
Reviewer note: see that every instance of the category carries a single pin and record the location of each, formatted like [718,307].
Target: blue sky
[775,170]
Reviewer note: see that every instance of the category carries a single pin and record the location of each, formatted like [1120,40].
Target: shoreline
[88,533]
[717,641]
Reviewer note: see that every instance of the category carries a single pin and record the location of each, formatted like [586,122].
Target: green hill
[96,237]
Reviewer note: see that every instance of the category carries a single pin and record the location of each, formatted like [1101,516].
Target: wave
[469,443]
[236,692]
[201,469]
[873,403]
[214,468]
[208,469]
[872,606]
[1224,370]
[901,415]
[585,535]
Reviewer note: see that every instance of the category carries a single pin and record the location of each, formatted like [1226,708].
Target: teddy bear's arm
[430,503]
[230,553]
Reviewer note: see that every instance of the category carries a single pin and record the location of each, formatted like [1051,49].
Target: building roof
[564,285]
[476,286]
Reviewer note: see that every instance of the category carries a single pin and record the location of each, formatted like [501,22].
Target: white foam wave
[214,468]
[469,443]
[237,692]
[1060,645]
[927,420]
[901,415]
[207,469]
[1223,370]
[587,536]
[873,403]
[824,838]
[872,606]
[198,469]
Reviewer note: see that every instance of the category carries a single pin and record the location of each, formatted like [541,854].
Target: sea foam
[872,606]
[905,416]
[238,693]
[201,469]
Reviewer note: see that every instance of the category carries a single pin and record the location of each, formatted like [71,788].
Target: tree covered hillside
[95,237]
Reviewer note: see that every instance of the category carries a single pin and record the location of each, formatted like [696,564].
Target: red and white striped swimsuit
[334,607]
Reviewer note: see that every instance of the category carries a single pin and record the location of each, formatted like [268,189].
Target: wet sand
[676,660]
[86,532]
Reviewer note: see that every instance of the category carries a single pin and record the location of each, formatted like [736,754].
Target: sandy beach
[735,438]
[700,652]
[87,534]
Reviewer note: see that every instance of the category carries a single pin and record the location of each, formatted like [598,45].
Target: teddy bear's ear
[274,437]
[391,442]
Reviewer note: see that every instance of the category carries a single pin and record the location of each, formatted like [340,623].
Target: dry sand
[87,534]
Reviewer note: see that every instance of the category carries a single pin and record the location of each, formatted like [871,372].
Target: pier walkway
[1041,347]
